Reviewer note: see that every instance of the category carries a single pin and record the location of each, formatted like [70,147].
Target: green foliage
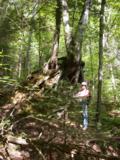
[26,38]
[111,123]
[27,30]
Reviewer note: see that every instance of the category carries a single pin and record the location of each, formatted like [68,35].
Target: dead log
[16,140]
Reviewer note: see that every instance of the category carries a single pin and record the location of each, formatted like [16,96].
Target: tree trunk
[79,37]
[19,64]
[40,53]
[113,84]
[100,70]
[27,58]
[74,65]
[92,70]
[67,29]
[53,59]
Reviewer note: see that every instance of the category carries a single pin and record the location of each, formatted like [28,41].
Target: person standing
[83,96]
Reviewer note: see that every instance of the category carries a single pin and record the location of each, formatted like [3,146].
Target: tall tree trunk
[74,43]
[92,69]
[100,70]
[113,84]
[67,29]
[27,58]
[53,59]
[79,37]
[40,53]
[19,64]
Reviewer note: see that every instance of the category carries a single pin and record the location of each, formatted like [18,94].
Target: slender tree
[54,54]
[92,68]
[100,69]
[39,41]
[69,37]
[80,35]
[113,81]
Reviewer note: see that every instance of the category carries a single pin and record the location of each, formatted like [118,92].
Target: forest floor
[47,126]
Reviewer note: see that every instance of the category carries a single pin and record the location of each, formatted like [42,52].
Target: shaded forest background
[47,48]
[27,30]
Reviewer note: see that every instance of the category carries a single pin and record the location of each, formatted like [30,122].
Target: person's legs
[85,116]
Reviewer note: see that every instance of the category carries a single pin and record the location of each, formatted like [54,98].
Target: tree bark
[79,37]
[40,40]
[92,69]
[53,59]
[113,83]
[19,65]
[100,70]
[74,42]
[27,58]
[67,28]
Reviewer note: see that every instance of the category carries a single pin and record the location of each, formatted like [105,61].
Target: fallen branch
[16,140]
[35,118]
